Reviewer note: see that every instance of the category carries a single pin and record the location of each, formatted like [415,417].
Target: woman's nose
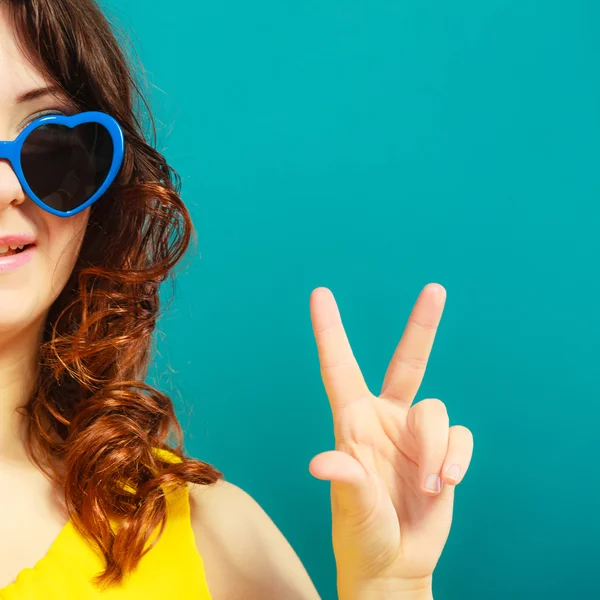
[11,192]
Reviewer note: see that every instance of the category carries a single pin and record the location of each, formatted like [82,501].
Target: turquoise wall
[372,147]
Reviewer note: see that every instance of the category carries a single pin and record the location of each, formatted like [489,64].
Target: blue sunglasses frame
[11,151]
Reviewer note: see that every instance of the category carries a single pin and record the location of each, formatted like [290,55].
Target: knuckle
[425,325]
[428,411]
[415,363]
[434,406]
[463,433]
[324,328]
[334,364]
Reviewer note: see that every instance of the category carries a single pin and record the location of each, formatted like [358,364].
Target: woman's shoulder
[224,513]
[242,549]
[210,503]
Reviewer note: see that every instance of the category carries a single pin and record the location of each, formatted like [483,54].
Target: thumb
[351,484]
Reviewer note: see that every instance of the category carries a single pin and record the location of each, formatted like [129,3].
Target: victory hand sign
[396,463]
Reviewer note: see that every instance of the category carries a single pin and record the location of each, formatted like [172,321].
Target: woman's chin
[18,314]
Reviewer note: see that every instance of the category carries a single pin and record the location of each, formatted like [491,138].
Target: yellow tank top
[173,568]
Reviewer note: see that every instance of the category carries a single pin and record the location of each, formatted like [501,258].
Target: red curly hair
[94,425]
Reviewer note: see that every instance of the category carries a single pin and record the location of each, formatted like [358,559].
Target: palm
[385,523]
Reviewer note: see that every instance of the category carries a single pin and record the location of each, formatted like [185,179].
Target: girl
[98,499]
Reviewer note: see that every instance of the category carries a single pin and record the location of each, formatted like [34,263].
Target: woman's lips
[11,262]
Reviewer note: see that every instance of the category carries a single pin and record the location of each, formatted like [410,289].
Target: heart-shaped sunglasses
[64,164]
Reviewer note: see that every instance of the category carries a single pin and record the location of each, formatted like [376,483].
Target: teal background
[372,147]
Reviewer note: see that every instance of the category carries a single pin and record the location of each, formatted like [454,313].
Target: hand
[396,463]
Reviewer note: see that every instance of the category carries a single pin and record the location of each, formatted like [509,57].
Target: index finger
[341,374]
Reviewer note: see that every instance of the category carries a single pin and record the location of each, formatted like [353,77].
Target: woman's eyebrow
[38,93]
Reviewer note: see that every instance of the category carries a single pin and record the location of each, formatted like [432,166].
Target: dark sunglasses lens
[65,166]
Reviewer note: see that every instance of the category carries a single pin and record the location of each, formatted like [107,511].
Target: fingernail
[453,472]
[433,484]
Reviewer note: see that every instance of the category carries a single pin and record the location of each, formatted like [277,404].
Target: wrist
[386,589]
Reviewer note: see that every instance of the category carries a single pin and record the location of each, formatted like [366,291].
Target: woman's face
[28,290]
